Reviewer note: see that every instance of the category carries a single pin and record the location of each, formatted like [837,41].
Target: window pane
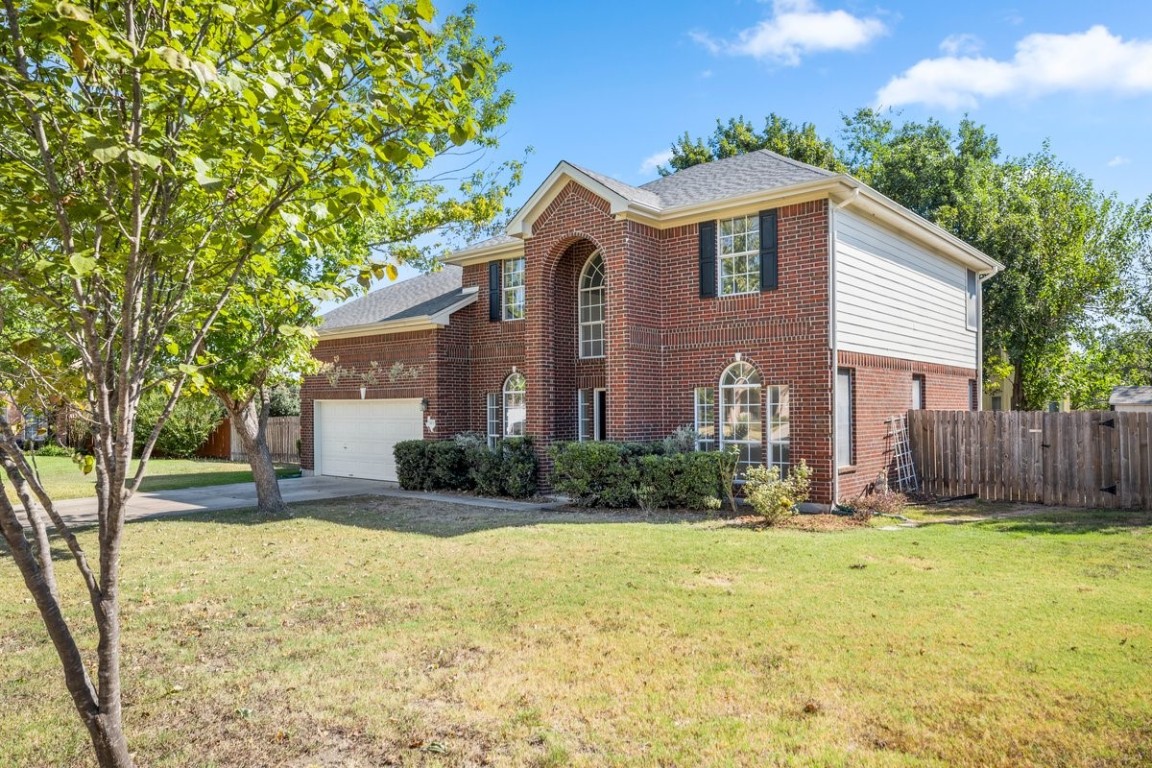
[844,451]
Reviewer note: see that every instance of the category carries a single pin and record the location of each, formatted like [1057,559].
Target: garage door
[354,438]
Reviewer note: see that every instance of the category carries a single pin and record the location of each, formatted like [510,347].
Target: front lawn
[64,480]
[398,632]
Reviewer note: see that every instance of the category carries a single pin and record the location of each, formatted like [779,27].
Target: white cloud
[796,28]
[960,45]
[652,162]
[1091,61]
[1119,160]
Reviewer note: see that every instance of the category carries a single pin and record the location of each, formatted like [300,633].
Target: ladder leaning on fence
[902,449]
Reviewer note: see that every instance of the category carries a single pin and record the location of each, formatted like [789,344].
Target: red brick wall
[882,388]
[416,350]
[784,333]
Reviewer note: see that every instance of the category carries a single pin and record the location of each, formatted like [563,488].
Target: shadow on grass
[177,481]
[1072,521]
[432,517]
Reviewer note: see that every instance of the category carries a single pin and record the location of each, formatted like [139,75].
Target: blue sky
[609,85]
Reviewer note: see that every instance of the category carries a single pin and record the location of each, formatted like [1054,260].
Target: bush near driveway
[466,463]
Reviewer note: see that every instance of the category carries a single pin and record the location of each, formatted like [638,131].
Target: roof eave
[431,322]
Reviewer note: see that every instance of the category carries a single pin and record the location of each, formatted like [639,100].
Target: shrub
[54,449]
[412,464]
[190,424]
[447,466]
[775,498]
[683,440]
[634,474]
[284,400]
[466,463]
[595,474]
[890,503]
[518,467]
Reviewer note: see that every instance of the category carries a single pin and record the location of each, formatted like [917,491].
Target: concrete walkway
[242,495]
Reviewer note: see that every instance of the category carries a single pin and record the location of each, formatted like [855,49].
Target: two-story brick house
[775,306]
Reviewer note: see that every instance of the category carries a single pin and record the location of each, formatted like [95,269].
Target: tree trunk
[1018,403]
[252,426]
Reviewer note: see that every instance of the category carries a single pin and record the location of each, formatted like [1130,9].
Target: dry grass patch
[399,632]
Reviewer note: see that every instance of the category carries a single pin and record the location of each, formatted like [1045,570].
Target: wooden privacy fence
[283,435]
[1081,459]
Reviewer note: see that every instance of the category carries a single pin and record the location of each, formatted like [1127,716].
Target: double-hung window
[512,289]
[705,407]
[738,260]
[495,419]
[592,405]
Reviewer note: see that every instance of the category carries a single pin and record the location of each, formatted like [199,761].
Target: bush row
[602,474]
[466,463]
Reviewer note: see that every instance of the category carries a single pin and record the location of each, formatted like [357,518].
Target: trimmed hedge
[467,464]
[603,474]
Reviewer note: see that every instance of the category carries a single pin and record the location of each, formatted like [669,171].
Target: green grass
[64,480]
[370,632]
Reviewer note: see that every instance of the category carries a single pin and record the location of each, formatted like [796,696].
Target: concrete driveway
[237,496]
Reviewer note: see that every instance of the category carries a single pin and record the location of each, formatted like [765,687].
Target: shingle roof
[419,296]
[1131,396]
[627,191]
[732,177]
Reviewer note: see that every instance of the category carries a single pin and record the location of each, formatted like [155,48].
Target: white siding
[896,298]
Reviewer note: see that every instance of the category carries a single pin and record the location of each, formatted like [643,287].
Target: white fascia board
[521,223]
[920,229]
[407,325]
[468,256]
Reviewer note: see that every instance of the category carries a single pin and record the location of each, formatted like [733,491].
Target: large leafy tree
[156,159]
[1065,246]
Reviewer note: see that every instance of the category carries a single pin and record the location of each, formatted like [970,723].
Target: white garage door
[354,438]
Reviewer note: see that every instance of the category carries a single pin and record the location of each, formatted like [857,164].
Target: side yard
[401,632]
[65,481]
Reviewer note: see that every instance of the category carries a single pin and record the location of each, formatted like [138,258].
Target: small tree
[156,159]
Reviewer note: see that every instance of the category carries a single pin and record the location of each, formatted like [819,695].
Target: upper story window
[592,301]
[738,261]
[512,289]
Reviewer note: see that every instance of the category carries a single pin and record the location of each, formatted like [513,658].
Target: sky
[611,84]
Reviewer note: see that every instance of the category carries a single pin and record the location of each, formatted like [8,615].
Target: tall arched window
[741,413]
[592,301]
[515,405]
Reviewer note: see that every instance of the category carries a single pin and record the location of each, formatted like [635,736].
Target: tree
[737,136]
[155,161]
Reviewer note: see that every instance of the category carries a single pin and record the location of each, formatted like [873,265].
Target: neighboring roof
[1131,396]
[424,297]
[732,186]
[732,177]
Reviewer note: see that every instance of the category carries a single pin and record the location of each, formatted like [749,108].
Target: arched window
[741,413]
[592,301]
[515,405]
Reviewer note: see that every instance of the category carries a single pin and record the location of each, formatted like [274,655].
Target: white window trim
[506,269]
[495,418]
[704,414]
[722,404]
[778,396]
[582,405]
[506,395]
[583,292]
[750,221]
[971,303]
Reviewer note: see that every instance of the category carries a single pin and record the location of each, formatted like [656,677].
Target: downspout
[980,278]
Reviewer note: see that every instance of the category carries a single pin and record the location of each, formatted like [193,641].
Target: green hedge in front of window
[603,474]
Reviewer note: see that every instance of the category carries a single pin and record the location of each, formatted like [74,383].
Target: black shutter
[769,251]
[495,305]
[707,259]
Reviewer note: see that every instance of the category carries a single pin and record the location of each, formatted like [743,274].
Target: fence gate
[1081,459]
